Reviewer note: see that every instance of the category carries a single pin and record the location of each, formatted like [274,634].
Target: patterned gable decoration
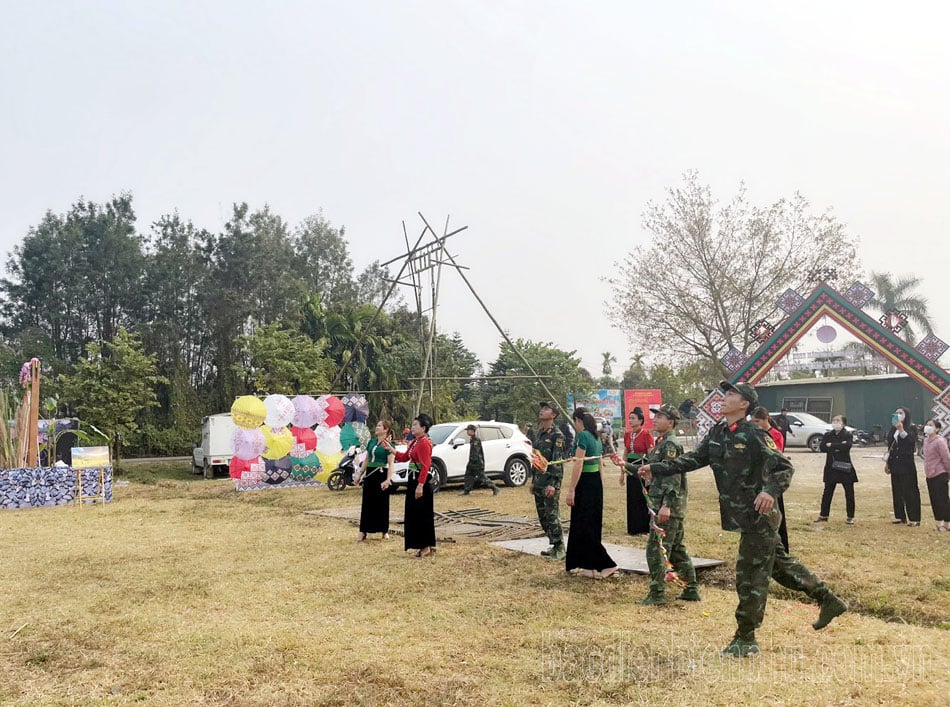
[790,301]
[712,405]
[824,301]
[762,330]
[858,295]
[931,348]
[893,319]
[733,359]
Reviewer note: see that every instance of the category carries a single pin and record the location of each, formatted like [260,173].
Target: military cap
[546,404]
[668,410]
[744,389]
[471,427]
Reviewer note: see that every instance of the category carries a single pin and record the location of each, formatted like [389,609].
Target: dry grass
[184,591]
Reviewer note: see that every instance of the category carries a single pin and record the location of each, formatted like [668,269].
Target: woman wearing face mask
[937,471]
[899,463]
[836,444]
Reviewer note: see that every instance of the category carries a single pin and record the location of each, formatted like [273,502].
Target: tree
[76,277]
[281,361]
[608,359]
[324,260]
[898,294]
[517,398]
[711,272]
[112,385]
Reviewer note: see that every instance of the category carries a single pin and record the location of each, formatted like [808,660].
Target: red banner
[643,399]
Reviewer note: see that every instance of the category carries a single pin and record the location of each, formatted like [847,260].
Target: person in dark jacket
[899,463]
[836,444]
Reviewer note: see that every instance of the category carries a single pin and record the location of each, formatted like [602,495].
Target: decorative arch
[918,362]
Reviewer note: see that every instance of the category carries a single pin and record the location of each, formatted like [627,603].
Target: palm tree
[898,294]
[609,359]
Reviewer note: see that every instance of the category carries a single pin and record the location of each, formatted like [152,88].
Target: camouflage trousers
[675,551]
[476,478]
[549,515]
[761,556]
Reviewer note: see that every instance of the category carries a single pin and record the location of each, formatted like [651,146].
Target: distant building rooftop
[840,379]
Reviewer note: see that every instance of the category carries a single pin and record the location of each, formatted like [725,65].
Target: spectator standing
[899,463]
[937,471]
[836,444]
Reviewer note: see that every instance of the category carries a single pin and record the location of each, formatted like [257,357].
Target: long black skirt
[638,517]
[420,519]
[584,547]
[374,514]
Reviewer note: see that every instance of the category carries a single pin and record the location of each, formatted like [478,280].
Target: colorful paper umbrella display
[305,468]
[328,462]
[328,440]
[277,471]
[334,408]
[348,436]
[248,444]
[362,433]
[356,407]
[307,412]
[238,466]
[305,441]
[280,410]
[279,442]
[248,412]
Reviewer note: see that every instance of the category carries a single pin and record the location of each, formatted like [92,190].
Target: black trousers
[830,494]
[906,497]
[938,488]
[783,528]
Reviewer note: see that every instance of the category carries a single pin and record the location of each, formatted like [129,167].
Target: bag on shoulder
[841,466]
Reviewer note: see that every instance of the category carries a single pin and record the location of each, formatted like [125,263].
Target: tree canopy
[710,272]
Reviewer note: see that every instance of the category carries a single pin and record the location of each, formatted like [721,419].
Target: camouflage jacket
[669,490]
[476,455]
[553,447]
[744,460]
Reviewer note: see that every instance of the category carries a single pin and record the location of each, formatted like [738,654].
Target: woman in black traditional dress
[638,442]
[376,471]
[585,496]
[419,515]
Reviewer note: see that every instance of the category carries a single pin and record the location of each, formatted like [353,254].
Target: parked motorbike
[864,438]
[342,476]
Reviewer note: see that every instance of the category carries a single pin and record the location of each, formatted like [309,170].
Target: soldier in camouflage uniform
[750,474]
[546,485]
[475,469]
[668,500]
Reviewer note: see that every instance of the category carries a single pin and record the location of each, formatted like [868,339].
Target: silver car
[805,430]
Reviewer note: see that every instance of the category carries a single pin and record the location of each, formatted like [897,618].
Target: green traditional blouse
[592,448]
[377,456]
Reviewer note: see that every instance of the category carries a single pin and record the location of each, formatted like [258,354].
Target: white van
[214,452]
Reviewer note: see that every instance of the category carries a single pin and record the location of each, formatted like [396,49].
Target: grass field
[184,591]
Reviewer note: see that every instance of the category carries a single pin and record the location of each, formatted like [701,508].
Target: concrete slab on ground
[629,559]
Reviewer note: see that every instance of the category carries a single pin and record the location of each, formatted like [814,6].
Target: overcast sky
[545,127]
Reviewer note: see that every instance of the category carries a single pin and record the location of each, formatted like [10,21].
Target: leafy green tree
[75,278]
[892,292]
[606,365]
[323,259]
[279,360]
[174,322]
[112,385]
[722,268]
[516,399]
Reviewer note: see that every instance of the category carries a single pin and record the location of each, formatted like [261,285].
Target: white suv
[507,453]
